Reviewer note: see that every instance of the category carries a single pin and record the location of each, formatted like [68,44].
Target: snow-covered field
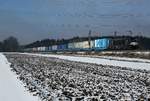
[11,88]
[104,60]
[53,77]
[131,54]
[123,59]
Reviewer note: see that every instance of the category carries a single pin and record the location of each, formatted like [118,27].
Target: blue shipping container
[102,43]
[49,48]
[62,47]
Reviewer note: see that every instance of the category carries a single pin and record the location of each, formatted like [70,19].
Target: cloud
[34,19]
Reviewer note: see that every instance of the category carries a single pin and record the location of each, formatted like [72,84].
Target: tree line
[10,44]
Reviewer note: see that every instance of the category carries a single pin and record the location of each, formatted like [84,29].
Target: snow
[11,88]
[53,78]
[124,62]
[120,52]
[124,59]
[145,53]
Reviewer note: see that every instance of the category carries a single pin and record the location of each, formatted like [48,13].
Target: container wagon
[54,48]
[101,44]
[62,47]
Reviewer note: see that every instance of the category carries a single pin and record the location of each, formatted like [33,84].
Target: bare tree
[1,46]
[10,44]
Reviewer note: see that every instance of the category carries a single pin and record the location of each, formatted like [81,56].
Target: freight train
[99,44]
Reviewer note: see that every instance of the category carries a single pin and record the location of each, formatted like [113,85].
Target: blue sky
[31,20]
